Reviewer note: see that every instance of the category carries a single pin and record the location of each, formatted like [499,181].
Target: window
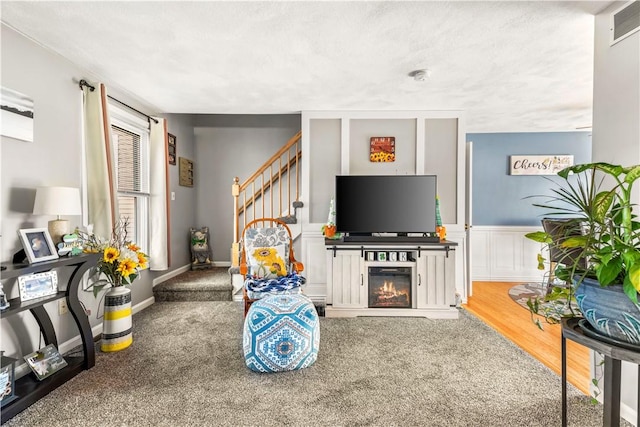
[130,137]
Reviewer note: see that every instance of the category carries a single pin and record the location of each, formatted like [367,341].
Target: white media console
[391,277]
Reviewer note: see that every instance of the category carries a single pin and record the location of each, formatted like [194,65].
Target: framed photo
[7,380]
[45,361]
[172,149]
[38,285]
[37,244]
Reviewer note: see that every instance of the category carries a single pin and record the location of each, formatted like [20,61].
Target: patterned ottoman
[281,333]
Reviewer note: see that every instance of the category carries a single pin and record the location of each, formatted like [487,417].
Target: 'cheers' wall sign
[539,165]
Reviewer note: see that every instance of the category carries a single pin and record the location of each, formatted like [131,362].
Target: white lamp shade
[57,201]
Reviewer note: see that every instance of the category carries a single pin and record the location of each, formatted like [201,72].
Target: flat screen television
[400,204]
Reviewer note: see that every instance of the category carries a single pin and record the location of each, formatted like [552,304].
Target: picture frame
[38,285]
[45,362]
[382,149]
[185,173]
[171,149]
[37,244]
[7,379]
[16,115]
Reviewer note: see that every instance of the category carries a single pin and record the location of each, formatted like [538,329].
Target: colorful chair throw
[259,288]
[281,333]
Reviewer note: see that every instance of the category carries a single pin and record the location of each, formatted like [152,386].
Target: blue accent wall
[499,198]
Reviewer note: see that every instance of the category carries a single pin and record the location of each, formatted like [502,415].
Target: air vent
[625,21]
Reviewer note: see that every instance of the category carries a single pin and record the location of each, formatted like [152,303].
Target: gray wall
[404,130]
[616,109]
[54,158]
[440,157]
[227,146]
[500,198]
[183,208]
[616,127]
[325,138]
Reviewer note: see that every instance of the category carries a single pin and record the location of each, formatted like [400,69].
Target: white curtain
[100,166]
[158,209]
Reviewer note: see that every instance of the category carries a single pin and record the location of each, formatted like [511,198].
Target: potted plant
[605,278]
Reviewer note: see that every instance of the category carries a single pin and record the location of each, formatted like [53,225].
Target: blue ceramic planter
[609,311]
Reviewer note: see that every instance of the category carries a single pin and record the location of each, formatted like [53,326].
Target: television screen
[386,203]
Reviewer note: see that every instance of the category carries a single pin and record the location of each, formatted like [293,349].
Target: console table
[432,272]
[614,354]
[28,389]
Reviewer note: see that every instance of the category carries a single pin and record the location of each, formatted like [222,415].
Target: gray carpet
[213,284]
[185,368]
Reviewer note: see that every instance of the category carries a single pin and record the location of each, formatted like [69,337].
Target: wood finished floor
[491,303]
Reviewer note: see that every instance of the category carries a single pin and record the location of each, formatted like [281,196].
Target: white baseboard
[171,274]
[628,413]
[184,269]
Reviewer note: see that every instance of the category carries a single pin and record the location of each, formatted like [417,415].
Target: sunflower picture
[383,149]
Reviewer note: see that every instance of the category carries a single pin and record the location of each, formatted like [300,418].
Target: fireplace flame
[388,290]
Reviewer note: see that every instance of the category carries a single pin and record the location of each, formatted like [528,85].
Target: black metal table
[614,353]
[28,390]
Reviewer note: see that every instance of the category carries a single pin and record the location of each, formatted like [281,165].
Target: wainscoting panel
[503,254]
[315,267]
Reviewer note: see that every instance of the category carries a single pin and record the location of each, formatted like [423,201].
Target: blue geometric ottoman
[281,333]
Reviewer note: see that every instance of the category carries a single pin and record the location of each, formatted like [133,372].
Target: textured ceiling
[512,66]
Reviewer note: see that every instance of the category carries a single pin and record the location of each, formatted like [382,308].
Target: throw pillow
[267,262]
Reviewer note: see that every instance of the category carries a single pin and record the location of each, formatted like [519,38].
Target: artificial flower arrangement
[329,229]
[121,261]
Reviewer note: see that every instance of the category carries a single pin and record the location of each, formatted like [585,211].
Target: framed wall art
[171,148]
[549,164]
[186,172]
[37,244]
[383,149]
[16,115]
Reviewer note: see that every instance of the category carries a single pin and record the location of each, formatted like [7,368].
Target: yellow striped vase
[116,327]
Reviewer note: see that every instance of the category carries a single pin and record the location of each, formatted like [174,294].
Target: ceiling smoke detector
[420,75]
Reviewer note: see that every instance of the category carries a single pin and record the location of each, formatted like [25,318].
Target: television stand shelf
[351,266]
[416,240]
[28,390]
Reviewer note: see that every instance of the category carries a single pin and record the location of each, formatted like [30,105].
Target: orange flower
[110,255]
[133,247]
[142,260]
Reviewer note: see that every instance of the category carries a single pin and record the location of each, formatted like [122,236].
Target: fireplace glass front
[389,287]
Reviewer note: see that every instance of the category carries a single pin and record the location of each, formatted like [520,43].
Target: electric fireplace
[390,287]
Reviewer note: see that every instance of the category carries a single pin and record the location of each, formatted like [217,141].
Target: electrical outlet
[62,307]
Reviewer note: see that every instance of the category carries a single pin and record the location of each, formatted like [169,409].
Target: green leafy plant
[597,199]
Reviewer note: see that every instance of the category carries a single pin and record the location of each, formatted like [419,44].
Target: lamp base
[57,229]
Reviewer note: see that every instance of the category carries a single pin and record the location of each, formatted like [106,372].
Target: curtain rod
[83,82]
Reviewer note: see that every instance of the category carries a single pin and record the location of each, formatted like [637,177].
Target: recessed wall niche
[361,131]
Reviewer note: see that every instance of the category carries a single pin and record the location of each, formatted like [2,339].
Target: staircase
[273,191]
[213,284]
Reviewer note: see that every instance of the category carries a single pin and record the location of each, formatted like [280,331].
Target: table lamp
[57,201]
